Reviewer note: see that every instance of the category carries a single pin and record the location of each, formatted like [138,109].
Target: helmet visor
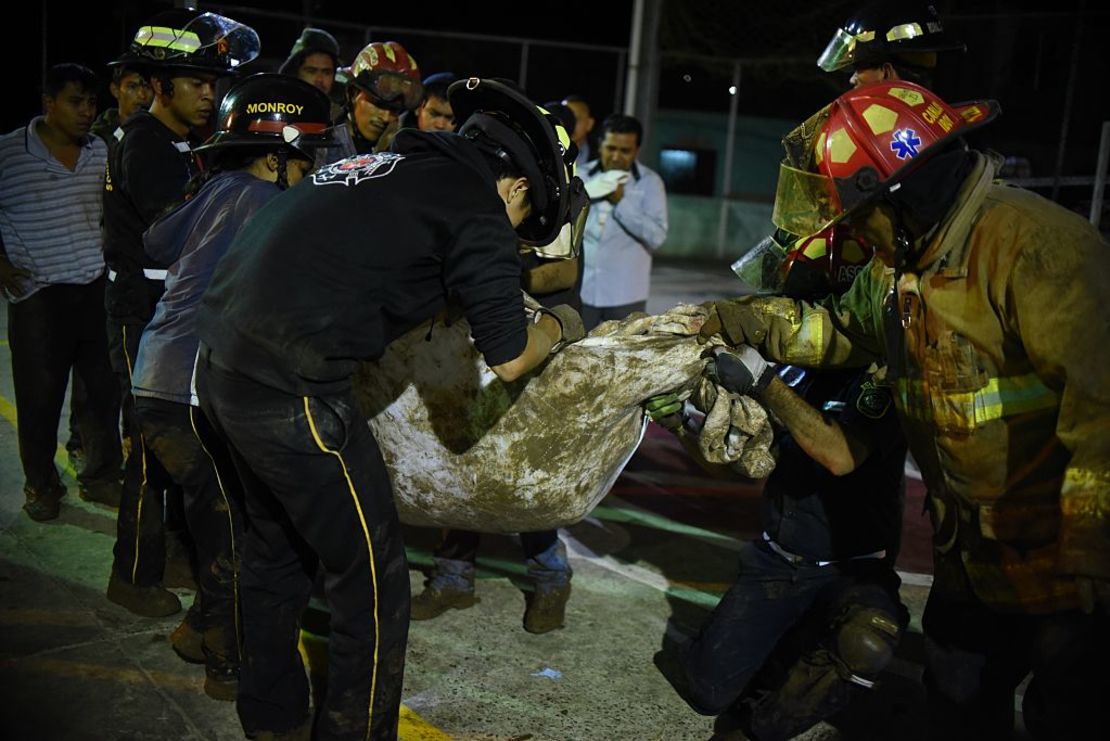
[763,267]
[839,53]
[391,90]
[804,202]
[568,243]
[223,39]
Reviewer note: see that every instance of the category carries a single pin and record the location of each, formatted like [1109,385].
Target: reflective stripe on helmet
[168,38]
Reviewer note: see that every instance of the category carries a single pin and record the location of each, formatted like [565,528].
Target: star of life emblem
[354,170]
[905,143]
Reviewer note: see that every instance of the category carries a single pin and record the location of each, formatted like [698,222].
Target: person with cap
[269,126]
[434,112]
[381,84]
[986,302]
[314,59]
[147,172]
[52,276]
[439,218]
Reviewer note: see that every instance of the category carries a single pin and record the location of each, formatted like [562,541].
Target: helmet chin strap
[282,172]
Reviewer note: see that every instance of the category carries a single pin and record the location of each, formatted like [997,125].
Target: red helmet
[807,268]
[386,71]
[864,144]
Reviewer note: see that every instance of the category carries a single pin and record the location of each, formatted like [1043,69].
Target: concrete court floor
[658,551]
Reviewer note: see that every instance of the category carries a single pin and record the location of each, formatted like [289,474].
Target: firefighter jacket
[1000,344]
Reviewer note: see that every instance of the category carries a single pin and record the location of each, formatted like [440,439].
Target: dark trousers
[57,329]
[140,550]
[316,491]
[799,611]
[976,657]
[181,438]
[595,315]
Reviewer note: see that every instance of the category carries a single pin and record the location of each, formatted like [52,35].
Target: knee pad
[865,641]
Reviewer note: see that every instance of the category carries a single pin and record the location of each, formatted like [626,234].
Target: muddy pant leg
[214,518]
[140,549]
[846,642]
[326,474]
[454,560]
[546,559]
[769,596]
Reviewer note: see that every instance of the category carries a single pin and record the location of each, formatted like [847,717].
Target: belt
[795,560]
[148,273]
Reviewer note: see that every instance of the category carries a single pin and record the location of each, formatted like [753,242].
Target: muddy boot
[221,679]
[100,492]
[152,601]
[546,608]
[187,639]
[45,503]
[450,587]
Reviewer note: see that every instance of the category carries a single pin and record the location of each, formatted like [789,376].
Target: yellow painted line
[3,343]
[119,674]
[414,728]
[61,457]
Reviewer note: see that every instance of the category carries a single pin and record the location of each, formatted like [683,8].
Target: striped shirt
[49,215]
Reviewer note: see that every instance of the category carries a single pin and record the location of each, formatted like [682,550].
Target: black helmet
[188,40]
[504,122]
[271,110]
[885,30]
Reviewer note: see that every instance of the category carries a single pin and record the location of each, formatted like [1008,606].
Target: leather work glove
[1093,593]
[744,372]
[570,324]
[665,410]
[736,321]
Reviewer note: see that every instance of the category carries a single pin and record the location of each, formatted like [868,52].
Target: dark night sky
[1019,51]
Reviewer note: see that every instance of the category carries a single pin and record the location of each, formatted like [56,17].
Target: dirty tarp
[467,450]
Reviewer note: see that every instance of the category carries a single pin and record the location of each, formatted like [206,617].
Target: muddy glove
[737,321]
[744,372]
[665,410]
[1093,593]
[570,324]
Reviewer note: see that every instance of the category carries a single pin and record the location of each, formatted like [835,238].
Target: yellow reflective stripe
[169,38]
[370,549]
[999,398]
[142,458]
[904,31]
[1080,493]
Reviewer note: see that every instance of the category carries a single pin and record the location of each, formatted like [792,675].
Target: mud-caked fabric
[213,511]
[315,487]
[140,549]
[768,599]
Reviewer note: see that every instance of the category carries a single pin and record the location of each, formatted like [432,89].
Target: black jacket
[148,170]
[331,271]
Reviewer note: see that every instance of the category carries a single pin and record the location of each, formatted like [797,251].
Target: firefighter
[889,40]
[987,303]
[814,616]
[382,83]
[322,278]
[269,127]
[184,52]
